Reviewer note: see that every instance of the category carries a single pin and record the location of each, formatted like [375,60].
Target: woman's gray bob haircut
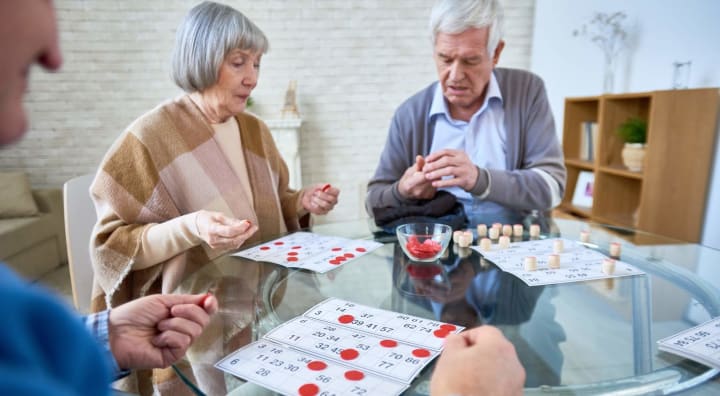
[456,16]
[206,35]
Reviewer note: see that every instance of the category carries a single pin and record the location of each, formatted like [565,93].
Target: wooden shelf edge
[616,221]
[576,210]
[617,171]
[583,98]
[632,95]
[578,163]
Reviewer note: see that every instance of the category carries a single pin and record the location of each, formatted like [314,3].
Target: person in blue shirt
[45,348]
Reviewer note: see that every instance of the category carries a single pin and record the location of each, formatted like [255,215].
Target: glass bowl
[424,242]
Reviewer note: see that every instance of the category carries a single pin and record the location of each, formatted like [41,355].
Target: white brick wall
[354,61]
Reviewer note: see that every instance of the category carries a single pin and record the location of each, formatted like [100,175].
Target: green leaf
[634,130]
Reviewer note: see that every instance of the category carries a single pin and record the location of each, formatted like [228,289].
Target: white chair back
[80,218]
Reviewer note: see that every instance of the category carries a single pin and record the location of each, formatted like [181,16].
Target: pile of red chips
[421,251]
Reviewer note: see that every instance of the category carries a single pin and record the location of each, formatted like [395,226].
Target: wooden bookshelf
[668,196]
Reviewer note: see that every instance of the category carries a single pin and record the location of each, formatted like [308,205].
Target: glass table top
[585,337]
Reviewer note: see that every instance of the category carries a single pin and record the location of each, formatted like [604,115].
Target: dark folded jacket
[443,208]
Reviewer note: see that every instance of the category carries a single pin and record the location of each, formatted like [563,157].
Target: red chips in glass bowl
[424,241]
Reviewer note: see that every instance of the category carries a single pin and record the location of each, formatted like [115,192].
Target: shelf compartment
[616,199]
[616,110]
[577,111]
[572,177]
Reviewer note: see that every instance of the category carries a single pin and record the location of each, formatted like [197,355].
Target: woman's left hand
[319,199]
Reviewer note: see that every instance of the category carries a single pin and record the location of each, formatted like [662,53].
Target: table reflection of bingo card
[577,262]
[382,356]
[310,251]
[414,330]
[292,372]
[700,343]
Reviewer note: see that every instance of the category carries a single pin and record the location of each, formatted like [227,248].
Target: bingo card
[577,262]
[310,251]
[341,348]
[700,343]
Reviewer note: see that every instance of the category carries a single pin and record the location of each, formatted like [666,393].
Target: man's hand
[413,183]
[480,361]
[454,163]
[223,232]
[156,330]
[319,199]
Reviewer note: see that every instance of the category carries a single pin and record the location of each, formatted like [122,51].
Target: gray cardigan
[531,144]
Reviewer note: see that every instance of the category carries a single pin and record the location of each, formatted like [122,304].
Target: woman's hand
[319,199]
[223,232]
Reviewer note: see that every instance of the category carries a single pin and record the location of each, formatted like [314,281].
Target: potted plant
[634,133]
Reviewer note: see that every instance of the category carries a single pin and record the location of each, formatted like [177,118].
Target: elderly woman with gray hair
[196,176]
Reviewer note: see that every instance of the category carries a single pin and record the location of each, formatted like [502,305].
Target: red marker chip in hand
[202,302]
[325,187]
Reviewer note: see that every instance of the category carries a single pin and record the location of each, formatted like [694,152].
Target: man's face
[464,69]
[28,34]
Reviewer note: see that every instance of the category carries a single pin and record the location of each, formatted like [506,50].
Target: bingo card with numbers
[341,348]
[310,251]
[577,262]
[700,343]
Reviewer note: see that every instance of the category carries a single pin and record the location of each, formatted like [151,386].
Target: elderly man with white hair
[484,134]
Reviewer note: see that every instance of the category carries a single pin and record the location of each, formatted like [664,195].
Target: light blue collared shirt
[483,138]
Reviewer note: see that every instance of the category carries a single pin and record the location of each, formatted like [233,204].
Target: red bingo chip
[427,249]
[349,354]
[421,353]
[346,318]
[388,343]
[317,365]
[308,390]
[448,327]
[354,375]
[441,333]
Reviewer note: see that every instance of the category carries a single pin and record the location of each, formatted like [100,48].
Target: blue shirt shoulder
[44,346]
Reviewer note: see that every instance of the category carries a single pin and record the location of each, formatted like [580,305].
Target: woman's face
[237,78]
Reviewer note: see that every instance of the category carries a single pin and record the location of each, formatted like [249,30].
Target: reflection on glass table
[584,337]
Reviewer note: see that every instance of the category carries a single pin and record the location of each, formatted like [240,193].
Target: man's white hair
[456,16]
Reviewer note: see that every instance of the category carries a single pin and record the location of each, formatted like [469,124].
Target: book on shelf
[588,140]
[583,195]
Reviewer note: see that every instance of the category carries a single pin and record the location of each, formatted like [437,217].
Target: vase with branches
[607,31]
